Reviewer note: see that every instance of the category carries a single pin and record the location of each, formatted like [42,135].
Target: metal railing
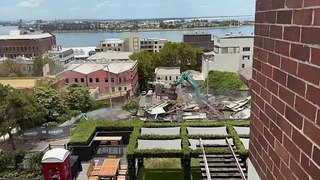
[236,159]
[205,160]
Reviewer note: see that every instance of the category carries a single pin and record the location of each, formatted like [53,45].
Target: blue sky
[121,9]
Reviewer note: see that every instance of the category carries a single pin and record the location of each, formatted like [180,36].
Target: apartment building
[203,41]
[231,53]
[285,106]
[110,45]
[112,56]
[25,44]
[123,75]
[152,44]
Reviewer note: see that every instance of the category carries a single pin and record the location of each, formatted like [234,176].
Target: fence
[46,133]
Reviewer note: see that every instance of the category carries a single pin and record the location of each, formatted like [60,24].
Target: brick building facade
[29,45]
[285,129]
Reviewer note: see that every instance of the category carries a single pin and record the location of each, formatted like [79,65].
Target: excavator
[186,76]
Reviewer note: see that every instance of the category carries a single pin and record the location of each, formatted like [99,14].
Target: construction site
[183,100]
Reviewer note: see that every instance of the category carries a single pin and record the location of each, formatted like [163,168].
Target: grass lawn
[168,169]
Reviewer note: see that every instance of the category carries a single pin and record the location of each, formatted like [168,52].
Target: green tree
[17,110]
[10,68]
[132,105]
[51,100]
[38,64]
[180,55]
[222,83]
[146,64]
[78,98]
[172,55]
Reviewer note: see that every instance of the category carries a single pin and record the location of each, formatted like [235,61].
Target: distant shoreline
[146,30]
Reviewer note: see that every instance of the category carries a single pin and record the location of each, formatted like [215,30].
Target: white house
[167,75]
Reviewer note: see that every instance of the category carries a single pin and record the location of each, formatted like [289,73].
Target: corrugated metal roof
[110,55]
[90,67]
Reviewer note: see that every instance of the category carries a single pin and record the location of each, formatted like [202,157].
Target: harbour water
[80,39]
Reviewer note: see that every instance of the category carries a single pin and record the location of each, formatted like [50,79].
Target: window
[166,78]
[120,45]
[124,79]
[119,79]
[156,42]
[97,80]
[109,45]
[158,78]
[105,79]
[118,49]
[246,49]
[113,89]
[177,77]
[104,45]
[245,57]
[243,66]
[224,50]
[90,80]
[160,47]
[67,80]
[125,88]
[82,80]
[119,88]
[170,78]
[76,80]
[112,79]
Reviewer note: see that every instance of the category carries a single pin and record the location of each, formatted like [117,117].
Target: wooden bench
[93,170]
[122,172]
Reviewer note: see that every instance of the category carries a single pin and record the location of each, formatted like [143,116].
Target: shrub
[100,104]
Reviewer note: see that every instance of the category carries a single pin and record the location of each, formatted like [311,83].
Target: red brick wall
[285,129]
[28,47]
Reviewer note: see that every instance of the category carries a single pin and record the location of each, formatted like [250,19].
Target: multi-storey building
[132,43]
[203,41]
[28,45]
[110,45]
[61,56]
[285,106]
[152,44]
[231,54]
[123,75]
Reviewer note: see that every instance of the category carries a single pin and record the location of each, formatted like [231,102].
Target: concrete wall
[285,128]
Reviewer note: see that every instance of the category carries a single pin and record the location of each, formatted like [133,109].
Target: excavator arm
[187,77]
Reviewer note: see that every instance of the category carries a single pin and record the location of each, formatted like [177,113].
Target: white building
[61,56]
[83,53]
[110,45]
[167,75]
[231,53]
[112,55]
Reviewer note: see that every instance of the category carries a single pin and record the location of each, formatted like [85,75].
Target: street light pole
[110,90]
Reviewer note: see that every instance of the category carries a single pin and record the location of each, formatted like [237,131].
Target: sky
[121,9]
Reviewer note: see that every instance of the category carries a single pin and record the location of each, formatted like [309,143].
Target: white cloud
[102,4]
[29,3]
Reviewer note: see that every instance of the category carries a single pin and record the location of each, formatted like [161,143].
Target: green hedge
[158,137]
[159,125]
[84,132]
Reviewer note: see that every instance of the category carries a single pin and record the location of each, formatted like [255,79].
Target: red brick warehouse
[285,129]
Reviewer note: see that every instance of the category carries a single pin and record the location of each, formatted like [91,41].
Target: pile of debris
[166,109]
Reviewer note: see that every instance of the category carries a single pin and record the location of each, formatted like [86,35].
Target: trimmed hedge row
[158,137]
[84,132]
